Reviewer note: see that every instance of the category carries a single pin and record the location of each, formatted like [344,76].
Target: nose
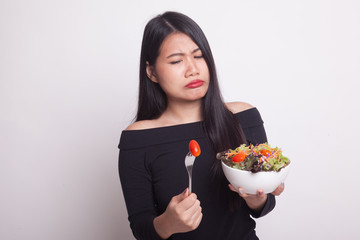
[191,68]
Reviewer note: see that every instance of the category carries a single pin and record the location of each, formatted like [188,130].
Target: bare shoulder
[236,107]
[141,125]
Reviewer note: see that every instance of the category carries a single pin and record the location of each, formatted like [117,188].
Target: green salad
[256,158]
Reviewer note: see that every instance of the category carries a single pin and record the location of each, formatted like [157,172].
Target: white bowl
[251,182]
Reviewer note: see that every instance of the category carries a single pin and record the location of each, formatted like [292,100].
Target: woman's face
[180,69]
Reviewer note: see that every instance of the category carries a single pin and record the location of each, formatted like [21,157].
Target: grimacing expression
[180,69]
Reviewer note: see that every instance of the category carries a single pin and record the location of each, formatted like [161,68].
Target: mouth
[195,83]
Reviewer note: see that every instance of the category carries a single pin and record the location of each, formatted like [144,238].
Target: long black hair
[220,125]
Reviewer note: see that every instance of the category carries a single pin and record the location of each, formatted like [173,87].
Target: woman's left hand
[256,201]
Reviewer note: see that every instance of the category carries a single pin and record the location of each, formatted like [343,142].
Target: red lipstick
[195,83]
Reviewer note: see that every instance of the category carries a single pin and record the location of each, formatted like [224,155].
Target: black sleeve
[137,189]
[268,207]
[253,127]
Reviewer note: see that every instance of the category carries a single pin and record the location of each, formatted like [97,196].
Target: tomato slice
[194,148]
[239,157]
[265,153]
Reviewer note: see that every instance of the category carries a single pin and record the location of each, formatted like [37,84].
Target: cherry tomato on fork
[194,148]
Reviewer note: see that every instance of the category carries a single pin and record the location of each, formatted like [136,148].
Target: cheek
[167,80]
[205,70]
[166,74]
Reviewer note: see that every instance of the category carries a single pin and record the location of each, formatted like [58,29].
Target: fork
[189,163]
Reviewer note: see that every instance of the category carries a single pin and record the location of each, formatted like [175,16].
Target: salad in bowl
[254,167]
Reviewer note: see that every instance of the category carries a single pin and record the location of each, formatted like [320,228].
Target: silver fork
[189,163]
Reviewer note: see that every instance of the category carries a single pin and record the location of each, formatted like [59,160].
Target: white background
[68,87]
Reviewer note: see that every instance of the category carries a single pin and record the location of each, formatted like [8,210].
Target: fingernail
[282,185]
[185,191]
[241,192]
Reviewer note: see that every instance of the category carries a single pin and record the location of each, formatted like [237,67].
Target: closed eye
[175,62]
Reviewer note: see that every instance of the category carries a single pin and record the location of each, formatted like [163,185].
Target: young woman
[180,100]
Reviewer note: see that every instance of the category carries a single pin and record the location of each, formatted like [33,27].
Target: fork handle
[189,170]
[190,184]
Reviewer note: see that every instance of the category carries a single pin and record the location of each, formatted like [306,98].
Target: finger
[242,193]
[279,189]
[178,198]
[232,188]
[260,193]
[194,209]
[186,193]
[192,216]
[188,202]
[197,219]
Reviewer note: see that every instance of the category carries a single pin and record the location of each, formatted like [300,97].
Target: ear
[150,72]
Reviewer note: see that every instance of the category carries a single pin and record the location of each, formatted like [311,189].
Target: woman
[180,100]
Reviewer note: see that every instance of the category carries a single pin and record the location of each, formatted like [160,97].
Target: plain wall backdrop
[68,87]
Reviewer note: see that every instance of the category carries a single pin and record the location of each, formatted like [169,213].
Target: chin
[196,97]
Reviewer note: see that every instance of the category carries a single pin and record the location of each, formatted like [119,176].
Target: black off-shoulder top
[152,171]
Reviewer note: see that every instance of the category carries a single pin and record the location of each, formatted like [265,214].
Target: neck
[183,112]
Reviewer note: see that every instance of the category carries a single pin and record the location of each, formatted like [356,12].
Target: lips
[195,84]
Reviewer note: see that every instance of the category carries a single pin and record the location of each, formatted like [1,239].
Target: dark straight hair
[220,125]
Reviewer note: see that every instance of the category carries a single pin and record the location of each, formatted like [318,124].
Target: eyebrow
[182,54]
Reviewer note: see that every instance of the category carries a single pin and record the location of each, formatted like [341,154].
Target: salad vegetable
[256,158]
[194,148]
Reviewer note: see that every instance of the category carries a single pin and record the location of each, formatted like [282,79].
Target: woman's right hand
[183,214]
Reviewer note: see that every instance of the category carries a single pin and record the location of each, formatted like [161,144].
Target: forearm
[142,227]
[162,227]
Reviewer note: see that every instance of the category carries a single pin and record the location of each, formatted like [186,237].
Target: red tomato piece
[265,153]
[194,148]
[239,157]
